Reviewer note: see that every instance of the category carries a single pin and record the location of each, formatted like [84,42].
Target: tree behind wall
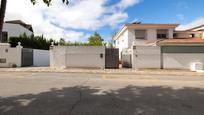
[96,40]
[62,42]
[34,42]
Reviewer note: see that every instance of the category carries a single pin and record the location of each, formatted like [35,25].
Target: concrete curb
[106,71]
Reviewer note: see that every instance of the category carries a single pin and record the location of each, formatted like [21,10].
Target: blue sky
[81,18]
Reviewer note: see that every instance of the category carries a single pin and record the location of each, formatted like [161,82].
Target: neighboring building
[150,34]
[187,34]
[199,29]
[196,32]
[143,34]
[182,42]
[16,28]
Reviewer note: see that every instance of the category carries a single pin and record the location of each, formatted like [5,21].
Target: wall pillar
[171,33]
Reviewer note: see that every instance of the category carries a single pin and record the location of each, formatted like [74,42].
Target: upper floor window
[140,34]
[162,33]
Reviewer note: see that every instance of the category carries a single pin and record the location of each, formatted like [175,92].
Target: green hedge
[35,42]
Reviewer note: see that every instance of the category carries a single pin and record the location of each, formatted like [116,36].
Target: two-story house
[15,28]
[143,34]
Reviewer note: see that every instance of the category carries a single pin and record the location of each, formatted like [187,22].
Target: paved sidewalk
[104,71]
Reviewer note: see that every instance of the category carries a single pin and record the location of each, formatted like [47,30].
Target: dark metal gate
[27,57]
[112,58]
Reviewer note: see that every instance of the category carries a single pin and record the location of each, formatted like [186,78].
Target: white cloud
[60,20]
[127,3]
[192,24]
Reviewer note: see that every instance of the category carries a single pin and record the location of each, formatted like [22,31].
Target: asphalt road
[97,94]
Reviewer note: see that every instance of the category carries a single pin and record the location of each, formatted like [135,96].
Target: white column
[151,34]
[171,33]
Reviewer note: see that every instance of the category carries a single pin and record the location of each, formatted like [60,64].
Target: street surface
[27,93]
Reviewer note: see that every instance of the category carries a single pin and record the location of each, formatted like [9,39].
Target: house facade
[143,35]
[16,28]
[150,34]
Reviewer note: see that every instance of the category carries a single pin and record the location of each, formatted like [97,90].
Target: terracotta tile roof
[183,41]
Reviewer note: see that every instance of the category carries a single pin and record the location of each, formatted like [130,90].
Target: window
[162,34]
[140,34]
[192,36]
[5,37]
[175,35]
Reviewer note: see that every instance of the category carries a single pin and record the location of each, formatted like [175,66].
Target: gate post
[161,58]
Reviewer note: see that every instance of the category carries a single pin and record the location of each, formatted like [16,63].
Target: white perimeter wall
[77,56]
[41,58]
[13,56]
[146,57]
[57,57]
[181,60]
[150,57]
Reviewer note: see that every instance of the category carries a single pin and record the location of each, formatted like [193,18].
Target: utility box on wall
[196,66]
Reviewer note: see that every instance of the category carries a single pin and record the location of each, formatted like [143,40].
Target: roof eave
[120,32]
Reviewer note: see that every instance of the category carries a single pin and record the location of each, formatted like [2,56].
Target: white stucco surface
[181,60]
[170,33]
[151,35]
[146,57]
[57,57]
[78,56]
[123,42]
[12,55]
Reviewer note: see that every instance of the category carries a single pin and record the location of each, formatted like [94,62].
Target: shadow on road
[130,100]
